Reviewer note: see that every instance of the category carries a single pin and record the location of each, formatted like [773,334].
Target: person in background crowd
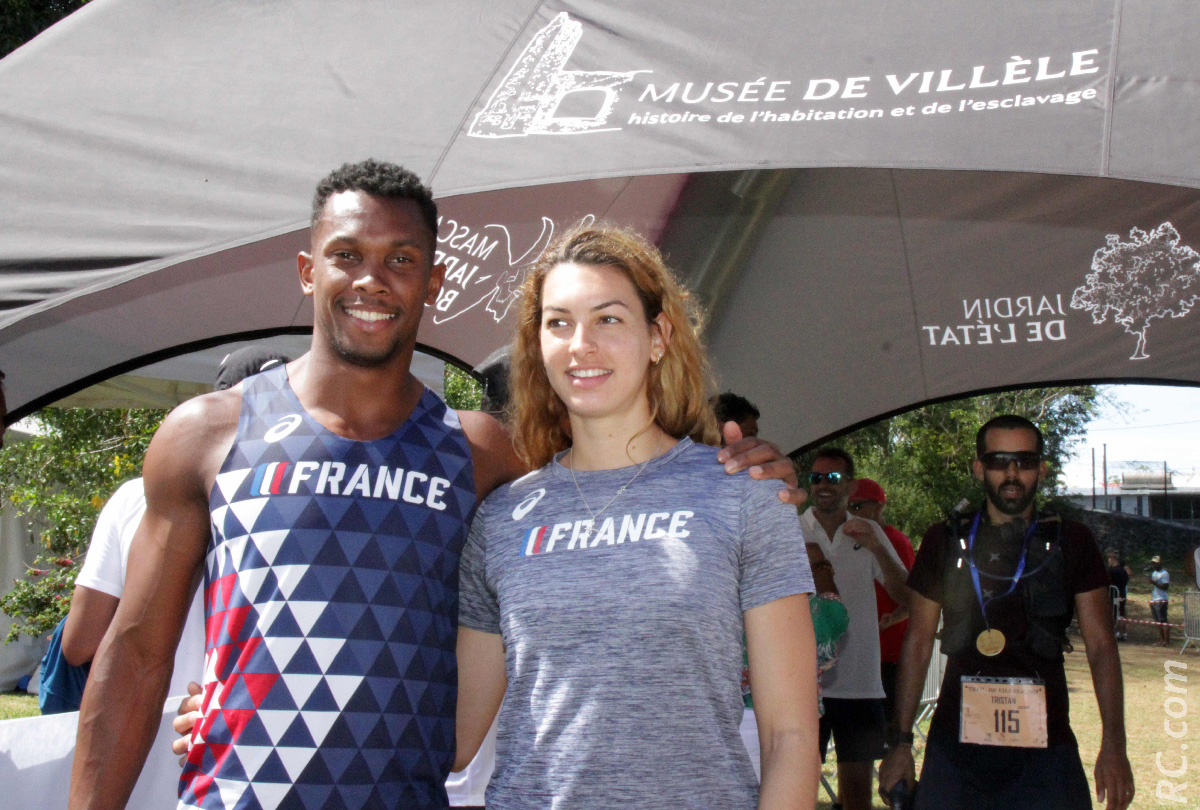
[861,555]
[101,579]
[1118,576]
[730,407]
[494,372]
[1160,600]
[867,502]
[1004,582]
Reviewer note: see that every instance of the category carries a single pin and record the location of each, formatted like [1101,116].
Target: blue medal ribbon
[1016,577]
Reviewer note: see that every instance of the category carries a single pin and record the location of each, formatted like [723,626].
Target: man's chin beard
[1011,506]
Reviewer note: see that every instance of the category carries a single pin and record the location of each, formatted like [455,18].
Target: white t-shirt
[1159,592]
[855,571]
[104,571]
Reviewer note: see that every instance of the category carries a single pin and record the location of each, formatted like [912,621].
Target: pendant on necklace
[990,642]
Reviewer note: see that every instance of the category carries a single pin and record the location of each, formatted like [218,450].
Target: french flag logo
[535,541]
[268,478]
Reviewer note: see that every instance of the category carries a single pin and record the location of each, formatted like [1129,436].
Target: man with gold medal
[1005,582]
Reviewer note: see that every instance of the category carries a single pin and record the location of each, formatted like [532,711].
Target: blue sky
[1159,423]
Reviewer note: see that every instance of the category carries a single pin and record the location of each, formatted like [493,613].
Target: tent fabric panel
[230,293]
[992,267]
[819,329]
[176,126]
[485,241]
[1156,109]
[648,50]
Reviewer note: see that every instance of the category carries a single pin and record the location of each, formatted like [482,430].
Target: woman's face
[596,344]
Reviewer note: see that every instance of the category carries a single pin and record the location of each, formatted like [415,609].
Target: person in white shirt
[852,690]
[1159,600]
[101,581]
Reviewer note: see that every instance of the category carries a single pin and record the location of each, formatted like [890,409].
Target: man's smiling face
[370,274]
[828,497]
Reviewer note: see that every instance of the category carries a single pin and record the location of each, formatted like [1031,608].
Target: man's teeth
[367,315]
[588,372]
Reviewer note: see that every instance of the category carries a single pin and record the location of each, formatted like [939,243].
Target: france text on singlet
[331,599]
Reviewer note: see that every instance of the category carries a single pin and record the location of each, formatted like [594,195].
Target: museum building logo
[529,99]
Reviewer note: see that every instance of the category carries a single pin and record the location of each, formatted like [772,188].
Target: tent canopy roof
[158,162]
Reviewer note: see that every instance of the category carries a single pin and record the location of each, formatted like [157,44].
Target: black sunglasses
[998,462]
[831,477]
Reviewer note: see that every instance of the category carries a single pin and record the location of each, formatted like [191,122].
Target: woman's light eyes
[556,323]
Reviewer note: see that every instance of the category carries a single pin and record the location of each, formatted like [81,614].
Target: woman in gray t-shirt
[604,595]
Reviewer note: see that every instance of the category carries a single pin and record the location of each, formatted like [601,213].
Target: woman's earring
[658,359]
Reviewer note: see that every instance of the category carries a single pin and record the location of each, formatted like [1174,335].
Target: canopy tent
[157,161]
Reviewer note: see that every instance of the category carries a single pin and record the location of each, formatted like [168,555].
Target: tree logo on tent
[538,97]
[1150,276]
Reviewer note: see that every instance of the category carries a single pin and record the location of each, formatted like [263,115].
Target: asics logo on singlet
[581,535]
[531,500]
[283,427]
[336,478]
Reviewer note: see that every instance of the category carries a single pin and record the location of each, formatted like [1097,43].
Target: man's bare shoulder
[492,452]
[204,418]
[193,440]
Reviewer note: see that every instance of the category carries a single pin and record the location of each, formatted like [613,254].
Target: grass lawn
[18,704]
[1145,694]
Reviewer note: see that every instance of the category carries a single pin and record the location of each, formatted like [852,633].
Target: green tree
[923,457]
[22,20]
[59,480]
[462,391]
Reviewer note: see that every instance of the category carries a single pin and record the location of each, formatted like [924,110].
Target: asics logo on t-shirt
[581,535]
[336,478]
[283,427]
[522,509]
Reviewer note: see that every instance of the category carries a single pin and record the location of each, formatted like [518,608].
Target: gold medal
[990,642]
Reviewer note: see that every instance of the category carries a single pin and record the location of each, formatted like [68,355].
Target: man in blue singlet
[326,503]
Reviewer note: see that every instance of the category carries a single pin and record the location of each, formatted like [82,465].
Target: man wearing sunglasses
[852,690]
[1005,581]
[868,501]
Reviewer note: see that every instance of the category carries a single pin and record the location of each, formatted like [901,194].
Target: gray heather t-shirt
[623,651]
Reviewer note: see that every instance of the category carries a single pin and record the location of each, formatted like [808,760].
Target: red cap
[868,490]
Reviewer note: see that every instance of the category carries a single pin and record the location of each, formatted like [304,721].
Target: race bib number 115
[1004,711]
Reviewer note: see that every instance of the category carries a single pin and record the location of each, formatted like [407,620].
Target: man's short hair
[731,407]
[1008,421]
[836,453]
[379,179]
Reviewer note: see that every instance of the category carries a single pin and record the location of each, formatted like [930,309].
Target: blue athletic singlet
[331,602]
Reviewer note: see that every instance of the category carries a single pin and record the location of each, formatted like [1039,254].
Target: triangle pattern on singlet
[329,669]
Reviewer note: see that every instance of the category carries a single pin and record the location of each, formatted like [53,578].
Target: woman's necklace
[586,534]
